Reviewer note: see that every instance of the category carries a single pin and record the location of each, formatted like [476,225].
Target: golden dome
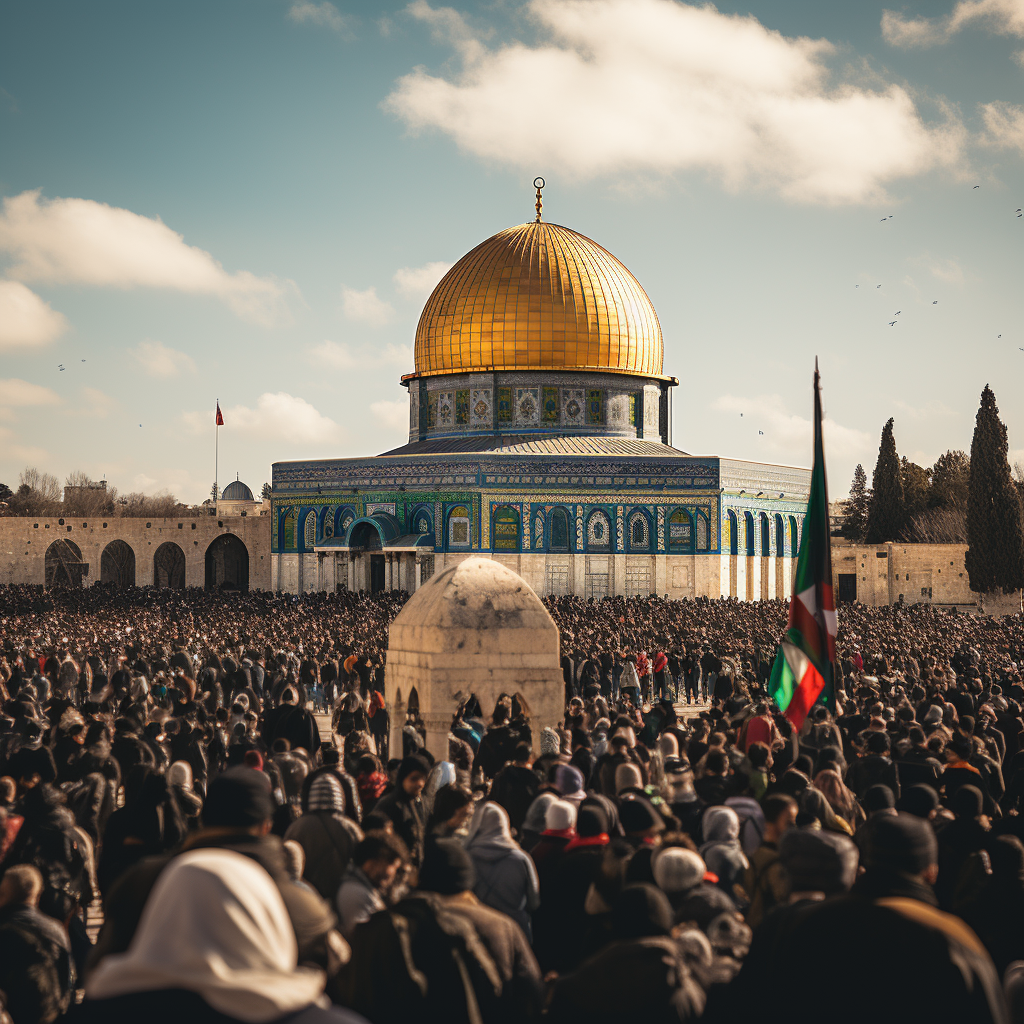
[539,297]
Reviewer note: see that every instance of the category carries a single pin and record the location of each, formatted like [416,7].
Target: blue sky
[251,200]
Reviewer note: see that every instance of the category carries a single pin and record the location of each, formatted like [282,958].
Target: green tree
[857,506]
[916,485]
[5,492]
[950,480]
[995,520]
[267,493]
[886,512]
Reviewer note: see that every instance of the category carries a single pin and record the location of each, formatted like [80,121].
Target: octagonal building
[540,435]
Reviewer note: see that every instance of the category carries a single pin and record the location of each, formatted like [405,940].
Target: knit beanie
[818,861]
[559,816]
[900,842]
[412,763]
[326,795]
[677,869]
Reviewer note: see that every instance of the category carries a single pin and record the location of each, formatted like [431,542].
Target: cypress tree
[995,522]
[857,506]
[886,512]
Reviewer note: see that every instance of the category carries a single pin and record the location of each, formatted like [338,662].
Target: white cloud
[788,434]
[620,87]
[366,306]
[324,14]
[79,241]
[335,356]
[25,319]
[15,451]
[1004,125]
[16,394]
[96,404]
[277,417]
[1002,17]
[392,415]
[419,282]
[157,360]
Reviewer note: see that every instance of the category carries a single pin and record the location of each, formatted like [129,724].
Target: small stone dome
[236,491]
[475,628]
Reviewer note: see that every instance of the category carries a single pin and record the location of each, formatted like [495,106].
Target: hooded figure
[721,849]
[505,876]
[214,943]
[327,836]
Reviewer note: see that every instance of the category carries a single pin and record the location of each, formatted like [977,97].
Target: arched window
[458,527]
[346,519]
[505,531]
[748,531]
[288,530]
[680,531]
[780,536]
[734,534]
[328,523]
[599,533]
[765,535]
[421,522]
[538,531]
[639,532]
[794,537]
[558,530]
[309,531]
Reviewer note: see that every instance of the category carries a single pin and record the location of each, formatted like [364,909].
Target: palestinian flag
[804,668]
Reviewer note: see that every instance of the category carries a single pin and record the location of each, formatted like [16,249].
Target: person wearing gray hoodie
[506,878]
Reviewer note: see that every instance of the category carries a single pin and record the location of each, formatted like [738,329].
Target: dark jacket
[409,818]
[36,973]
[328,841]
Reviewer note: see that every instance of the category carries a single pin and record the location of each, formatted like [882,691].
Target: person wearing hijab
[214,945]
[506,878]
[721,850]
[813,805]
[327,836]
[559,831]
[534,822]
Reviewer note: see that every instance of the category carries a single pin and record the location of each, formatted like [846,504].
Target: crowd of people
[177,841]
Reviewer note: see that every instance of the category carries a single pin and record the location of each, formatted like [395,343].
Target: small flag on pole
[804,668]
[220,417]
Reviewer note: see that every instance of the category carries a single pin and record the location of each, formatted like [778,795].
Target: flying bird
[878,286]
[977,186]
[935,302]
[897,313]
[998,335]
[893,323]
[760,433]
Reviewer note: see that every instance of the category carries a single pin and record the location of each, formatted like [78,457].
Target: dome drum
[543,403]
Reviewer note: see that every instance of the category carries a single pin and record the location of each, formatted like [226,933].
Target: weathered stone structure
[188,552]
[474,628]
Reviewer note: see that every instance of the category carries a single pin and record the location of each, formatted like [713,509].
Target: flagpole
[216,457]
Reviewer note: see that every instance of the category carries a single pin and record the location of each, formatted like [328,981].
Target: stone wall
[24,541]
[917,573]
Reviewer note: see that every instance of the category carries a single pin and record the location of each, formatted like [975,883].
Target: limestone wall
[919,573]
[24,540]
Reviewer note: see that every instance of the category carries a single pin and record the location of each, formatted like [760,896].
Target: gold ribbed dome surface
[539,297]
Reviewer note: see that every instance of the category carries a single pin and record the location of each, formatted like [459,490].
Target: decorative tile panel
[480,407]
[527,407]
[445,409]
[574,402]
[462,407]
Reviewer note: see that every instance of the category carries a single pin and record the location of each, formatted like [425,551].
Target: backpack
[419,961]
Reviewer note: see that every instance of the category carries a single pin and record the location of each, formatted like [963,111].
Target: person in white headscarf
[214,943]
[506,878]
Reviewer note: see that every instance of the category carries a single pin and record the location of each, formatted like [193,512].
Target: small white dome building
[475,628]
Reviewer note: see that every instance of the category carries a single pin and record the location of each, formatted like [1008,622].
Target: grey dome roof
[236,491]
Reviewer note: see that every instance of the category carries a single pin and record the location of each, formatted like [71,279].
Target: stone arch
[765,538]
[227,564]
[117,565]
[794,537]
[734,534]
[366,535]
[457,535]
[748,532]
[505,527]
[599,532]
[638,531]
[558,530]
[63,565]
[680,532]
[780,536]
[343,519]
[169,566]
[422,520]
[309,531]
[702,528]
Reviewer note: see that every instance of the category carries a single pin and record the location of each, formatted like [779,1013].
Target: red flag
[220,417]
